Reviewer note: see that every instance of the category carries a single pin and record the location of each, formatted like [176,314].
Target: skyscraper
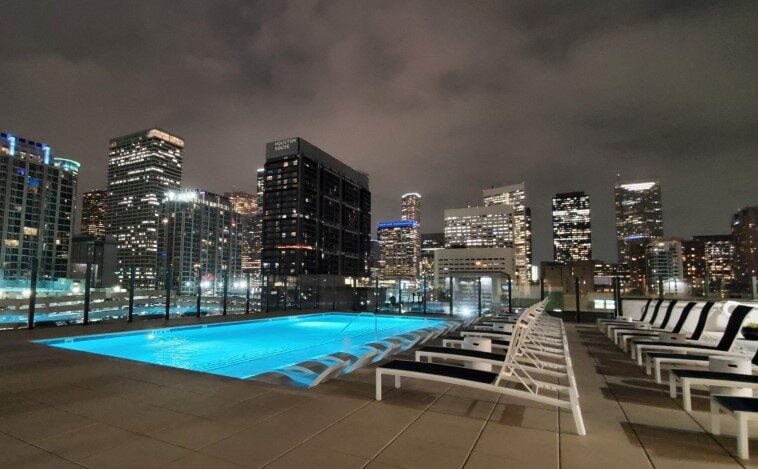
[473,227]
[665,263]
[430,242]
[400,249]
[745,233]
[411,207]
[572,232]
[199,235]
[142,168]
[718,251]
[93,212]
[37,204]
[638,214]
[316,213]
[246,205]
[515,196]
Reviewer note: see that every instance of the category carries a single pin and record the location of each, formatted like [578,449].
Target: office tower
[100,252]
[142,167]
[745,234]
[93,213]
[37,208]
[430,242]
[411,207]
[719,261]
[572,233]
[693,264]
[515,196]
[638,281]
[260,177]
[246,205]
[638,214]
[400,249]
[316,213]
[664,261]
[491,226]
[199,235]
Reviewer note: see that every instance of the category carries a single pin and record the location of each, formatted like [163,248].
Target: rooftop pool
[243,349]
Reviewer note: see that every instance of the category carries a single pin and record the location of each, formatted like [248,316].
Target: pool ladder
[376,325]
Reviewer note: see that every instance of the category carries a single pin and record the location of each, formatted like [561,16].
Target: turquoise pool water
[246,348]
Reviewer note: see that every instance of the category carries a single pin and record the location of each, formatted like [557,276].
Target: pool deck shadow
[62,408]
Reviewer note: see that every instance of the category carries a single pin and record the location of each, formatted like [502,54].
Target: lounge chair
[622,336]
[694,337]
[510,372]
[733,326]
[743,409]
[688,378]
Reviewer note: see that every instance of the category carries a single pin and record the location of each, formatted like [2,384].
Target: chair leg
[742,440]
[577,412]
[687,395]
[397,381]
[715,419]
[658,378]
[672,386]
[378,385]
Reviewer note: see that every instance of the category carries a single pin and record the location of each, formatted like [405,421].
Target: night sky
[442,98]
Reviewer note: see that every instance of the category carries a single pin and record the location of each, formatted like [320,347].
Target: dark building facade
[316,213]
[93,213]
[100,251]
[639,214]
[37,208]
[745,234]
[718,255]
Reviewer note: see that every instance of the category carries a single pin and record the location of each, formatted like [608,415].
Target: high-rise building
[93,212]
[665,264]
[411,207]
[515,196]
[430,242]
[719,261]
[246,205]
[100,252]
[199,235]
[638,281]
[693,264]
[260,178]
[491,226]
[316,213]
[572,233]
[400,249]
[37,208]
[638,214]
[745,234]
[142,168]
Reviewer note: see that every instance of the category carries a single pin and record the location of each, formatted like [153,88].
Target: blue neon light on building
[46,150]
[12,141]
[397,224]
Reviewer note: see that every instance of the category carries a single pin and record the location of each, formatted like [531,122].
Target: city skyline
[553,144]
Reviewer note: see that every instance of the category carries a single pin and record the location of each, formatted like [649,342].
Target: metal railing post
[285,293]
[87,291]
[130,312]
[247,294]
[297,292]
[423,300]
[226,292]
[510,294]
[199,300]
[576,292]
[399,295]
[451,294]
[479,295]
[334,294]
[168,292]
[32,293]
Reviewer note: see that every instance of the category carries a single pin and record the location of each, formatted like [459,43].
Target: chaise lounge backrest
[733,327]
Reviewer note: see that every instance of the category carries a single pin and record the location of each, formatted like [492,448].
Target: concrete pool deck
[61,408]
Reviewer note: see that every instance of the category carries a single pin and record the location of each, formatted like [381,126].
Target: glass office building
[37,209]
[142,168]
[93,212]
[515,196]
[638,214]
[572,230]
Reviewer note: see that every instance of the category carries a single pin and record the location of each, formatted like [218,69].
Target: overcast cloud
[443,98]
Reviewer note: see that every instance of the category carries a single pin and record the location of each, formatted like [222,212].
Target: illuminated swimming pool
[244,349]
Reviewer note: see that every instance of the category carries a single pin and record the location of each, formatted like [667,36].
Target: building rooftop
[65,408]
